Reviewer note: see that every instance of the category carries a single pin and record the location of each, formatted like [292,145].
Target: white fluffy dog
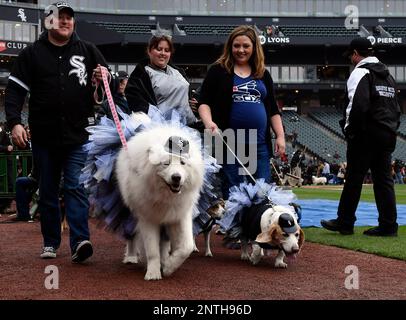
[319,180]
[160,177]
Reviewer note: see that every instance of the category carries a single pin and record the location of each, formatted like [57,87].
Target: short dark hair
[156,39]
[365,53]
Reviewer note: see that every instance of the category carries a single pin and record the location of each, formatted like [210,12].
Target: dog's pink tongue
[291,257]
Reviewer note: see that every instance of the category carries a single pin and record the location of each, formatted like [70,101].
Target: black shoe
[378,232]
[16,219]
[83,251]
[334,225]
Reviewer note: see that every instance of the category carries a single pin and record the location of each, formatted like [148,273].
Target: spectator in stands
[320,167]
[397,168]
[341,173]
[238,93]
[325,172]
[25,188]
[294,138]
[370,123]
[157,82]
[6,147]
[57,70]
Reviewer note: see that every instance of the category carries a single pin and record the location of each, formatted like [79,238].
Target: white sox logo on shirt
[247,92]
[80,69]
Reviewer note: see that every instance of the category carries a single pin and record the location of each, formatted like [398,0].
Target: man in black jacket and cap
[57,72]
[370,122]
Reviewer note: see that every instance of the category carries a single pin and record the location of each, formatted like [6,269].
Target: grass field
[391,247]
[333,193]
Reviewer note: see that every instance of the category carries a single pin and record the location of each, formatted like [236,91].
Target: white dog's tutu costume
[98,174]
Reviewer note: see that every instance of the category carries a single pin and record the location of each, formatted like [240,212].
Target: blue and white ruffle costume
[98,174]
[246,194]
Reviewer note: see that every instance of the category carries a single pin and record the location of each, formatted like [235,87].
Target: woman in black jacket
[156,82]
[237,94]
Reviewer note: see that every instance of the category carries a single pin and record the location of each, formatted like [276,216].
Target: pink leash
[105,77]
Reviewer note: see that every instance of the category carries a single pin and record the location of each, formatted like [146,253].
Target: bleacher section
[133,28]
[226,29]
[207,29]
[318,31]
[402,127]
[328,118]
[189,29]
[400,151]
[316,141]
[396,31]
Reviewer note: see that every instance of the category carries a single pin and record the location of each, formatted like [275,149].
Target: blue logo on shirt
[247,92]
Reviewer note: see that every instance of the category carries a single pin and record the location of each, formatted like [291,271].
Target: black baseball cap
[362,45]
[122,75]
[61,5]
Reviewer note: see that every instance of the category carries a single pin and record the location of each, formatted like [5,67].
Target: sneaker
[334,225]
[83,251]
[378,232]
[48,253]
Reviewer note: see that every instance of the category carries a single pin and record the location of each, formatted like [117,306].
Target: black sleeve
[13,104]
[208,87]
[22,71]
[98,58]
[19,84]
[136,93]
[270,98]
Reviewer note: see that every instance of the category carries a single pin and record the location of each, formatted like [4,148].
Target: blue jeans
[399,178]
[233,178]
[25,188]
[52,162]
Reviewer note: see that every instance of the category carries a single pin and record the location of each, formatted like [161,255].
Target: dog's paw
[255,259]
[130,260]
[195,249]
[209,254]
[167,271]
[153,275]
[245,256]
[280,264]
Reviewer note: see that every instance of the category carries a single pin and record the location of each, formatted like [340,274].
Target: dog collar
[287,223]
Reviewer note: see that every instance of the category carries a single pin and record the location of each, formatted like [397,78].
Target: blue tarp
[367,215]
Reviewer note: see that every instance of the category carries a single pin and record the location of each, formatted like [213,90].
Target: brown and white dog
[270,227]
[216,212]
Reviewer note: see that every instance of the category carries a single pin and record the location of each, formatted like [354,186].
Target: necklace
[242,72]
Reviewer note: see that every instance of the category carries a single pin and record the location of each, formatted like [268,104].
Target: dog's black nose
[176,178]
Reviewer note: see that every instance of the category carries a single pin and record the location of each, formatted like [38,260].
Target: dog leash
[106,77]
[270,202]
[277,173]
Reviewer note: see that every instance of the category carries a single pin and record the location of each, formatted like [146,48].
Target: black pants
[370,151]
